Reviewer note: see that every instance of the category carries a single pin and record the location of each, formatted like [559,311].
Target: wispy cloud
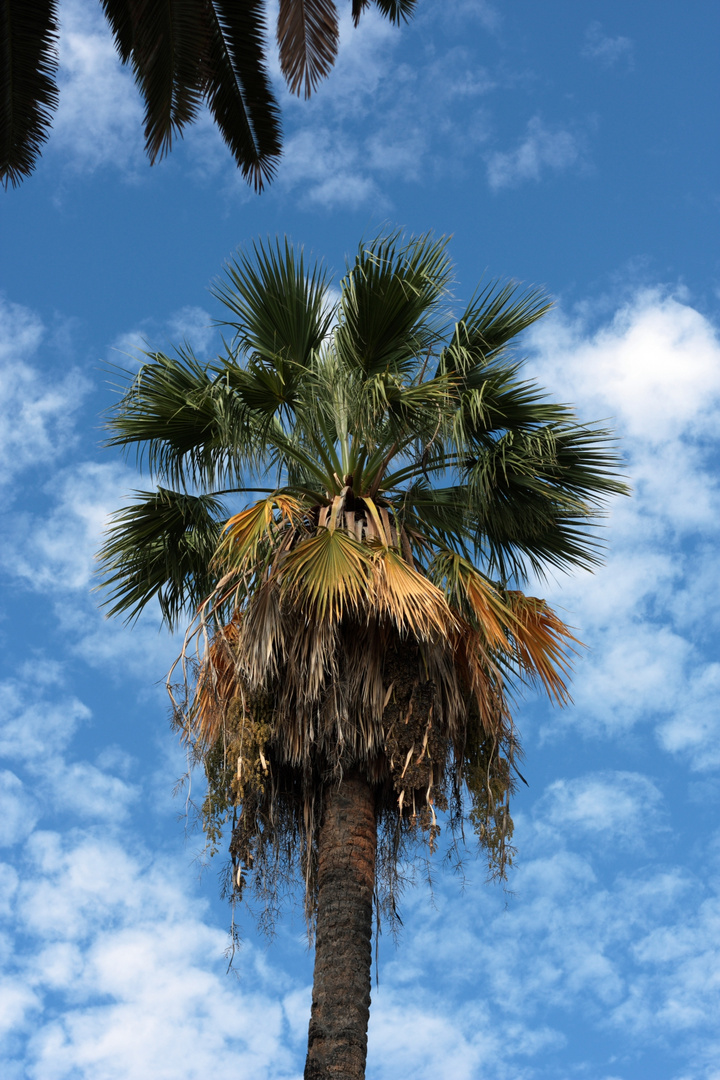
[378,119]
[543,150]
[37,417]
[608,51]
[99,121]
[190,325]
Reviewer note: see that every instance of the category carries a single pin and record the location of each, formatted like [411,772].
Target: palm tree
[184,53]
[356,632]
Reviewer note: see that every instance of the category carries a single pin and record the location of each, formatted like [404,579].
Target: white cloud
[99,121]
[36,731]
[33,728]
[18,810]
[190,325]
[22,332]
[56,552]
[609,51]
[542,150]
[653,369]
[609,806]
[37,415]
[329,166]
[138,971]
[655,365]
[88,791]
[334,157]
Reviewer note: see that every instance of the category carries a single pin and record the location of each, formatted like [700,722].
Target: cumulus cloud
[541,151]
[611,806]
[608,51]
[138,971]
[653,369]
[99,121]
[37,415]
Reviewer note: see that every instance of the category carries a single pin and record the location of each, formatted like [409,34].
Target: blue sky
[567,145]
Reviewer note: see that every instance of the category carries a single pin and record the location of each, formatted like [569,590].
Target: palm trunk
[337,1040]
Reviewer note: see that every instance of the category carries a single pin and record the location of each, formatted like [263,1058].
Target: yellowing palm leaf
[408,599]
[246,531]
[326,575]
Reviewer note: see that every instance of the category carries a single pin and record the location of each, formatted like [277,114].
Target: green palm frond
[536,495]
[162,545]
[493,318]
[389,295]
[183,419]
[279,310]
[28,90]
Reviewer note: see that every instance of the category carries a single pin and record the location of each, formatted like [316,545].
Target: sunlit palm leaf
[327,575]
[543,644]
[413,604]
[262,523]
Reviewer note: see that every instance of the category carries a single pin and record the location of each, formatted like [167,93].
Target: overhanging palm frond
[183,53]
[164,42]
[396,10]
[28,91]
[237,87]
[307,34]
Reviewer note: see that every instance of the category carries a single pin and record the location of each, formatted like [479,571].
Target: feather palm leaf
[183,53]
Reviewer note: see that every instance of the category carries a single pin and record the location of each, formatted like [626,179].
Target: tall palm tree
[356,632]
[184,53]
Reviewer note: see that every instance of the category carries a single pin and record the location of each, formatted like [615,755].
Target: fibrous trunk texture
[337,1040]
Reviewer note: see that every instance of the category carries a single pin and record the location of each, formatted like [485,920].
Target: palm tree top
[375,399]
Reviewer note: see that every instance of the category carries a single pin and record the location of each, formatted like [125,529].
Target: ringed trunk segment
[337,1038]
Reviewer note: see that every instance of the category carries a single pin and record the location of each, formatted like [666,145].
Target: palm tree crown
[183,53]
[364,614]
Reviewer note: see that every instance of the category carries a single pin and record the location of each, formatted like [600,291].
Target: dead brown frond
[341,654]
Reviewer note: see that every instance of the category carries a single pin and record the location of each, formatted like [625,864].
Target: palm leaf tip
[307,35]
[28,90]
